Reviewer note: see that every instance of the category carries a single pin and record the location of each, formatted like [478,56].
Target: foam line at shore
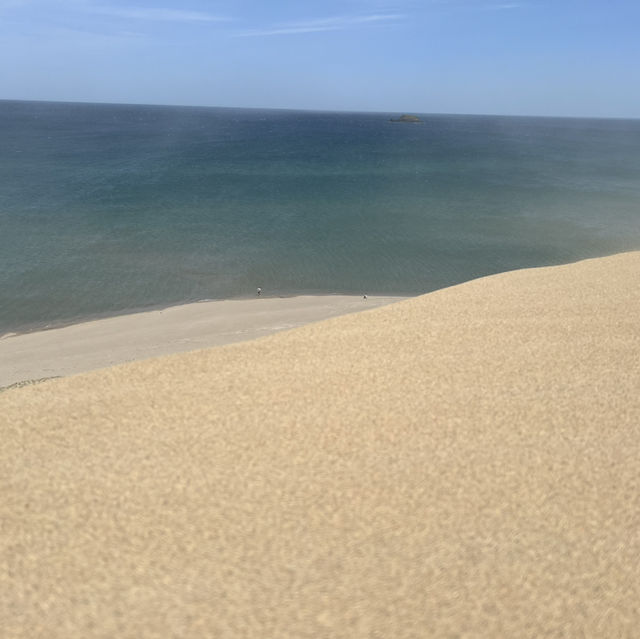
[106,342]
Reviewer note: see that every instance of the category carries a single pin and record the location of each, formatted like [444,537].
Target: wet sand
[461,464]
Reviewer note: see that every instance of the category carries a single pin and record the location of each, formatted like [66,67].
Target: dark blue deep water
[110,208]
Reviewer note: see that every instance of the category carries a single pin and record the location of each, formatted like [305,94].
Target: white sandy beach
[460,464]
[97,344]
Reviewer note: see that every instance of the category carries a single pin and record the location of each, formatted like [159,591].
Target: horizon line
[319,110]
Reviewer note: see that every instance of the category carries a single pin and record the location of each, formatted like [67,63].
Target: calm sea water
[107,208]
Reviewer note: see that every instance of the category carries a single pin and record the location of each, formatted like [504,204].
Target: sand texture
[106,342]
[461,464]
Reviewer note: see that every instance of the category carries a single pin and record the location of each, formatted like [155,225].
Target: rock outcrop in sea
[406,118]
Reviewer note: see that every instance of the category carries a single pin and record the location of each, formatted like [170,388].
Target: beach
[85,346]
[460,464]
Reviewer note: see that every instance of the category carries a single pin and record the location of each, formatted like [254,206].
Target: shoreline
[80,347]
[29,329]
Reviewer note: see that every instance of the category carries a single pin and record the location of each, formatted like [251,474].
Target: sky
[518,57]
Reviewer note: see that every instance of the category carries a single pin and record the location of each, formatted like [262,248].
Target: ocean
[106,209]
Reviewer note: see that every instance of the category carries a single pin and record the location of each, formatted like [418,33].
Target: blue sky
[539,57]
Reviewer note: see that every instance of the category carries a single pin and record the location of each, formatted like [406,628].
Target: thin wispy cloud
[158,14]
[73,37]
[500,7]
[477,5]
[10,4]
[388,5]
[337,23]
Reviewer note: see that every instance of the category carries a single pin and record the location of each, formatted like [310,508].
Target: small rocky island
[406,118]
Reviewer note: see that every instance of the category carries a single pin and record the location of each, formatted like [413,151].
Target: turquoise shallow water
[110,208]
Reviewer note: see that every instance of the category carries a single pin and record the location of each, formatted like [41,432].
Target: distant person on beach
[259,291]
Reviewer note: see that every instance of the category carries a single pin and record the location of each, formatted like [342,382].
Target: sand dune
[462,464]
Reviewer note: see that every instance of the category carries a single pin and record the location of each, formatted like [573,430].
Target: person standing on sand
[259,291]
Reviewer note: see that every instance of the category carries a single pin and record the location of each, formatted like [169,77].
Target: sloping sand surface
[462,464]
[106,342]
